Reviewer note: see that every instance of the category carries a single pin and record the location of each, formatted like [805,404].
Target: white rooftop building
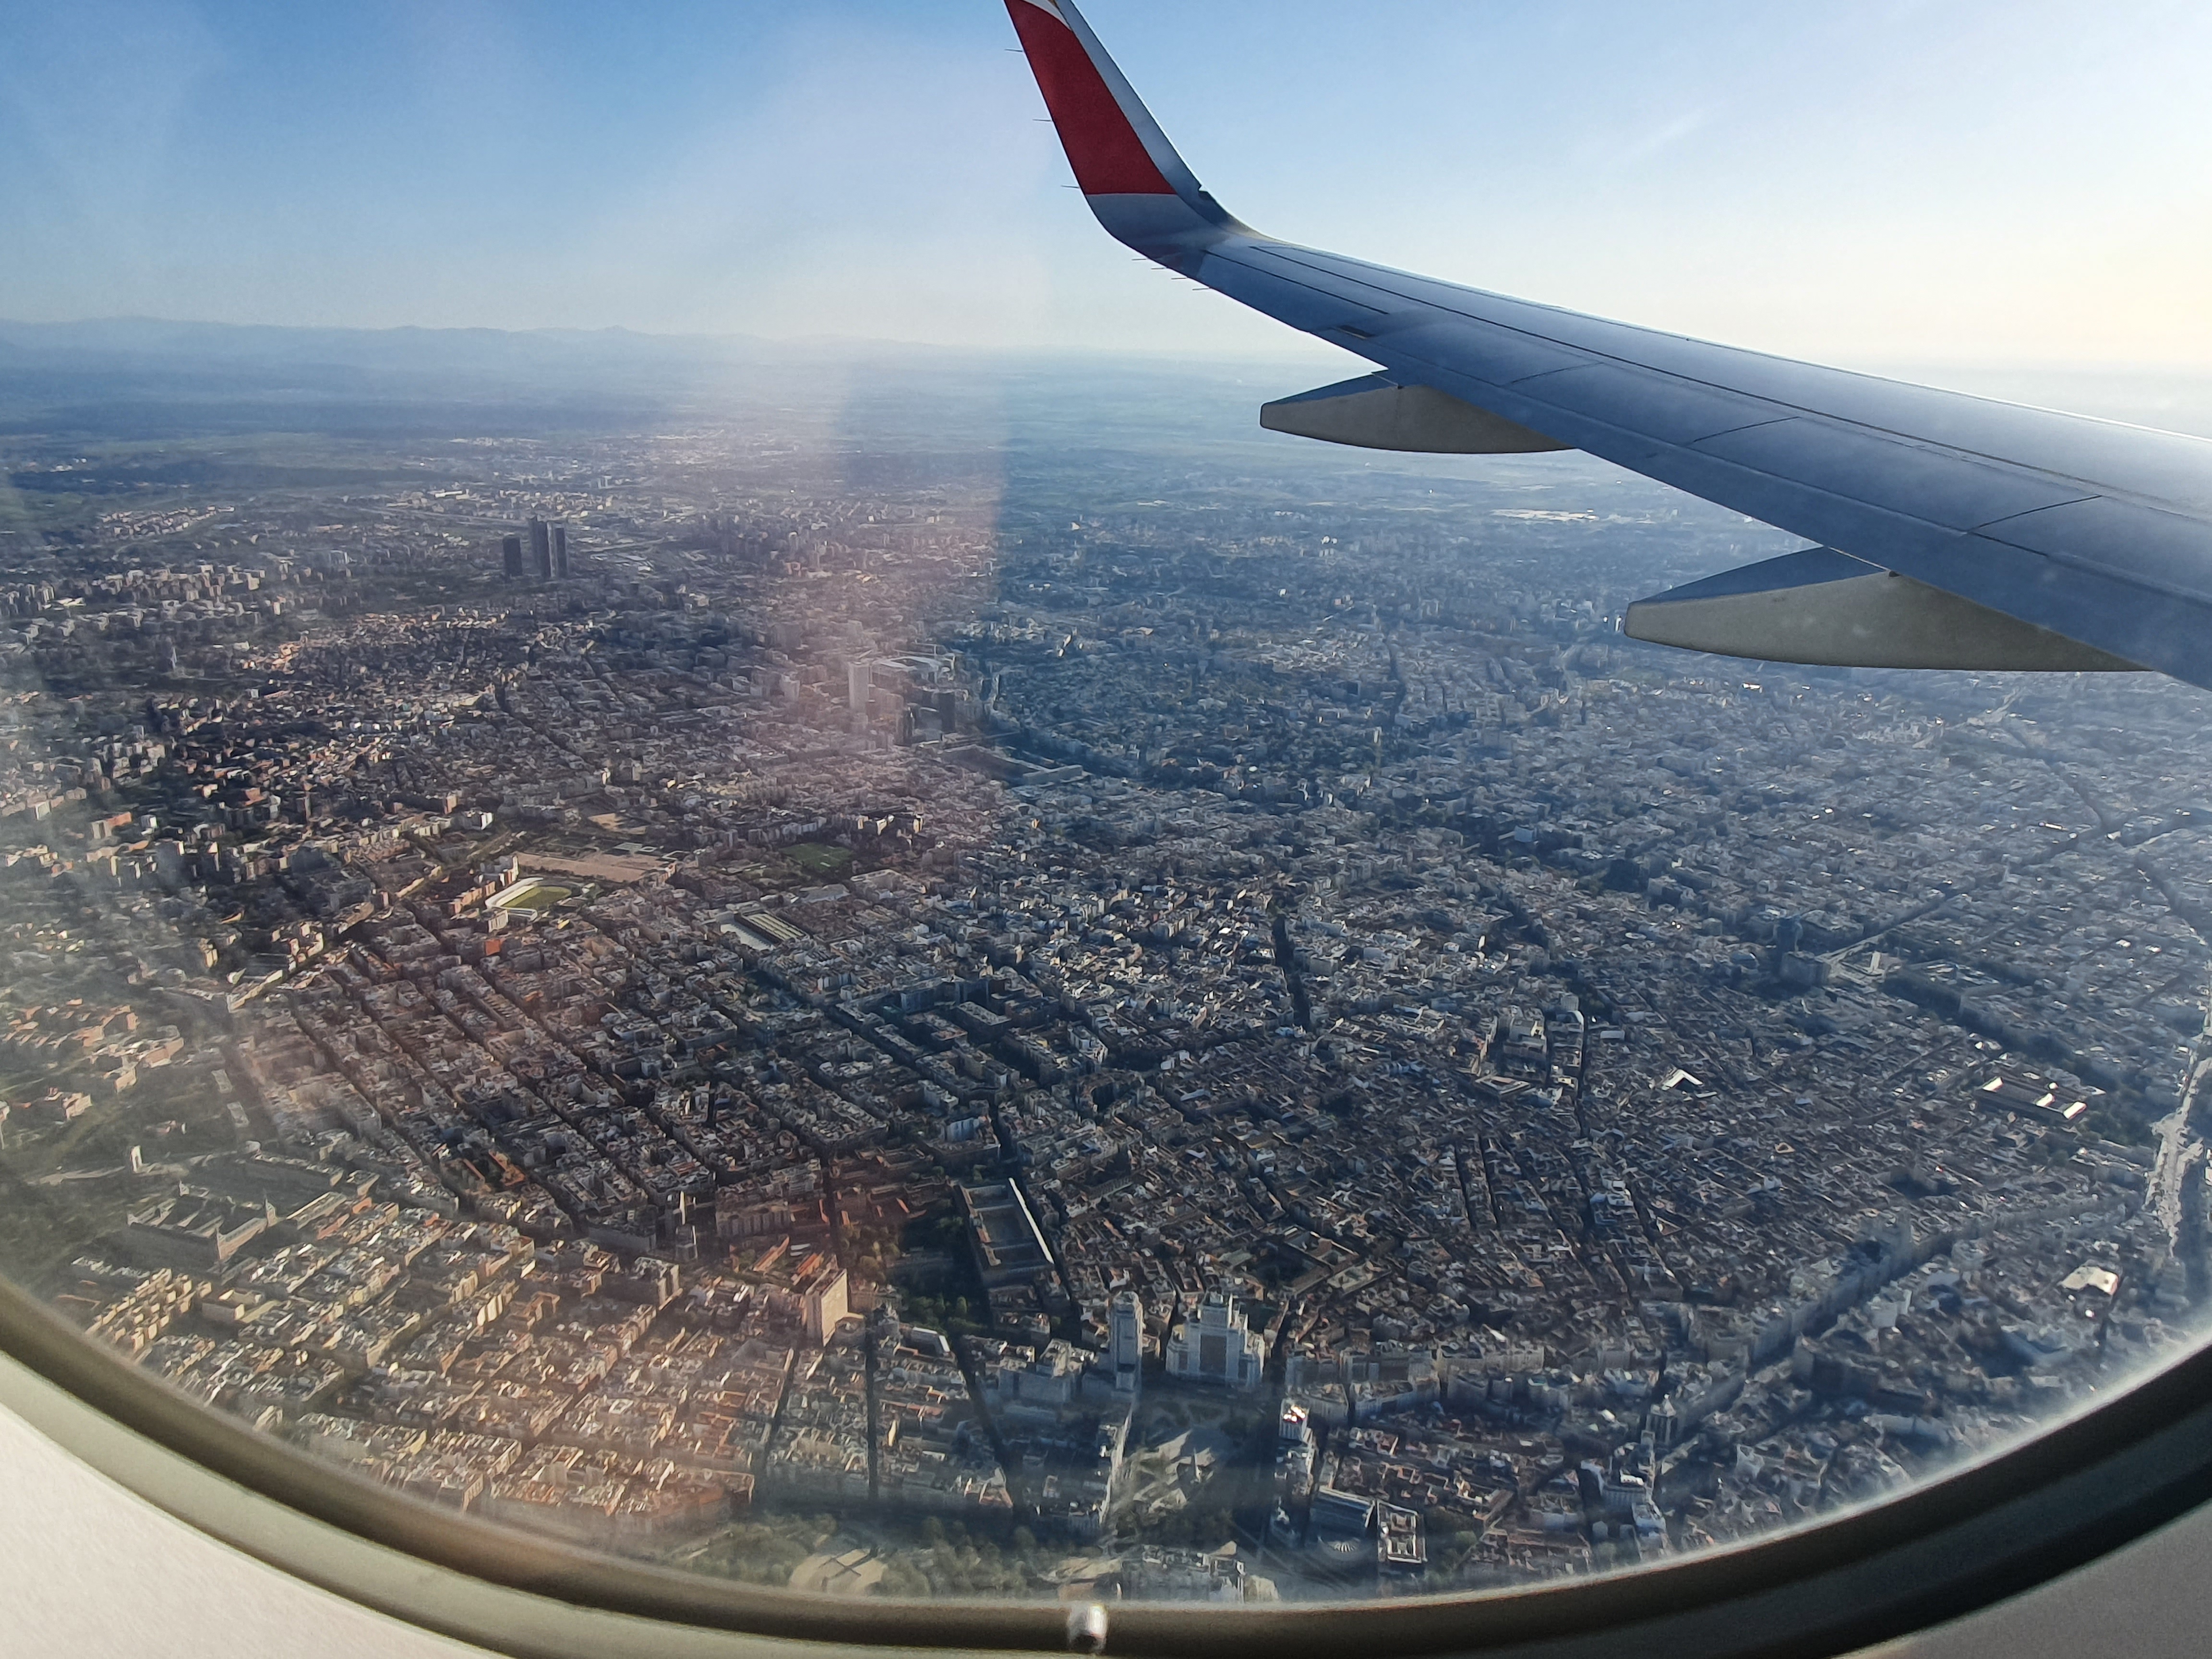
[1216,1346]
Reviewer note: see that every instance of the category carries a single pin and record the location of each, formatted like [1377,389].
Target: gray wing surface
[2092,531]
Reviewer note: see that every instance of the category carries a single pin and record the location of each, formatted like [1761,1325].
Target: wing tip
[1109,154]
[1141,189]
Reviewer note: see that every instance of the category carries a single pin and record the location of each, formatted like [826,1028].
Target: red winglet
[1108,158]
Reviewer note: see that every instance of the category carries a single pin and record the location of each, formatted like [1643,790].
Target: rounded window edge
[1986,1532]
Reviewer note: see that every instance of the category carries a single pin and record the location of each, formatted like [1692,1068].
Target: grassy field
[819,860]
[544,896]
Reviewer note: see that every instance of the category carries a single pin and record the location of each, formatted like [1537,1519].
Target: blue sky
[1882,182]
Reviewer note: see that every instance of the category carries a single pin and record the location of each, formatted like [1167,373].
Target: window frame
[1937,1551]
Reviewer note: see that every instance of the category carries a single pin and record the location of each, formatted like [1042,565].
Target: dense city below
[946,995]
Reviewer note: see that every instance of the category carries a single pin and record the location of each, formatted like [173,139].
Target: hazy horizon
[1291,348]
[92,372]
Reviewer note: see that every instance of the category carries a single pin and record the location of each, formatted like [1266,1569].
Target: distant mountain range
[429,349]
[142,378]
[133,358]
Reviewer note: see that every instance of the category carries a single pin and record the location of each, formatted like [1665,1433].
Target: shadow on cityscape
[894,975]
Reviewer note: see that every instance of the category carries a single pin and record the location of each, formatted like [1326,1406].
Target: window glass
[918,974]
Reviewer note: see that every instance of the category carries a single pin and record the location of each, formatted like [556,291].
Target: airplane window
[927,974]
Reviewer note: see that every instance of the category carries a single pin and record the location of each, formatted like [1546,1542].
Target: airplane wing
[1953,531]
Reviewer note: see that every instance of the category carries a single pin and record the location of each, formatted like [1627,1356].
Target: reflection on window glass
[835,988]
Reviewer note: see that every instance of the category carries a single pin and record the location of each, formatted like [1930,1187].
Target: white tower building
[1126,1347]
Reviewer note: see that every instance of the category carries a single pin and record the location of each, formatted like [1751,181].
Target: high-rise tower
[561,551]
[1125,1322]
[510,552]
[541,550]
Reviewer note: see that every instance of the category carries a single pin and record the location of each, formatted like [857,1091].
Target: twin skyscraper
[548,553]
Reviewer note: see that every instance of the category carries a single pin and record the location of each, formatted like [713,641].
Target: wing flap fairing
[1827,609]
[1374,412]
